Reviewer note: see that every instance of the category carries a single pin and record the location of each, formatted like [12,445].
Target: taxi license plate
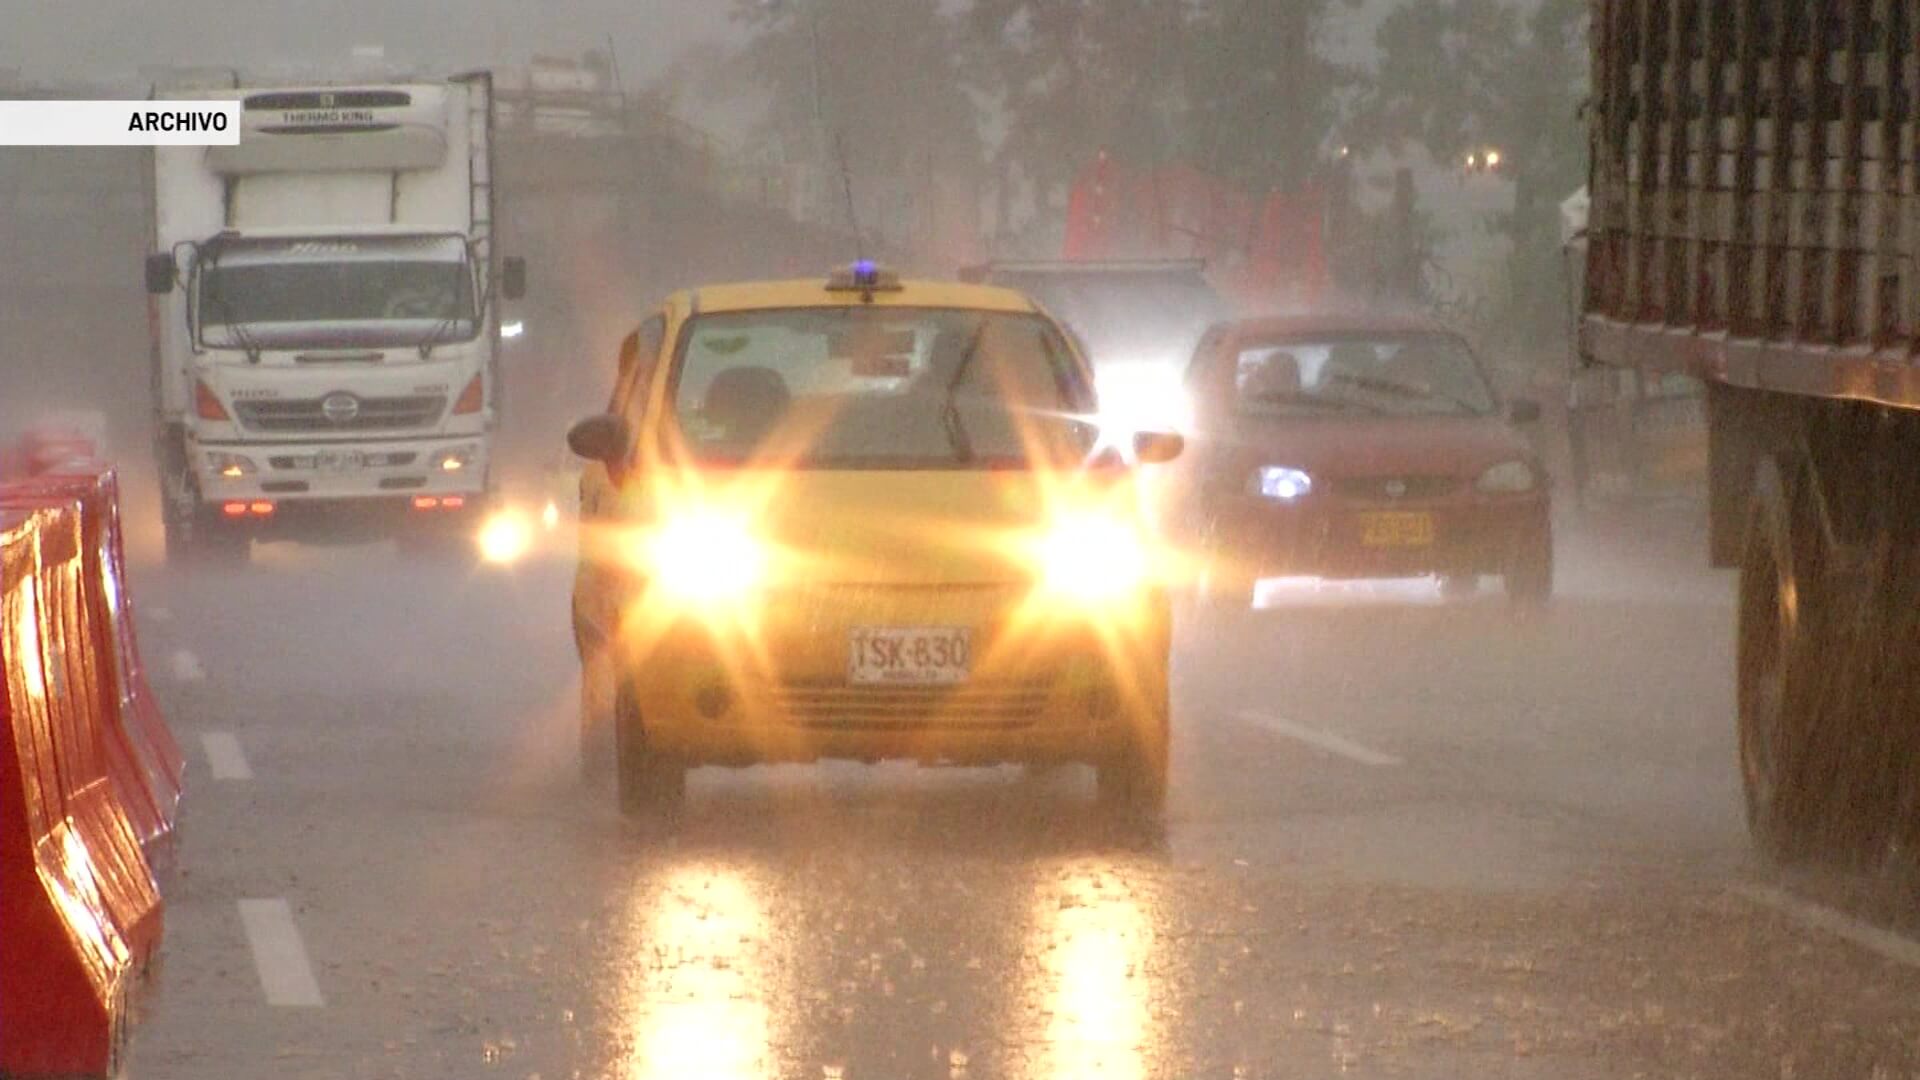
[1396,530]
[339,461]
[909,656]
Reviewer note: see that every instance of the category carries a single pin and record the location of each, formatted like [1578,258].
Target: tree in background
[1263,95]
[873,86]
[1461,76]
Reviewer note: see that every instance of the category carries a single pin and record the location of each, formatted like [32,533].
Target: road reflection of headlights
[704,559]
[1090,557]
[1507,478]
[1282,482]
[505,538]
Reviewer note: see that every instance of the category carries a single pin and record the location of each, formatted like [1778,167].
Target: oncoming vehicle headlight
[1090,557]
[231,466]
[1507,478]
[704,559]
[455,459]
[1142,396]
[1282,482]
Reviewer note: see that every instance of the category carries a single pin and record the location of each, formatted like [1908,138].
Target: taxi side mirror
[160,274]
[604,438]
[1524,411]
[1158,447]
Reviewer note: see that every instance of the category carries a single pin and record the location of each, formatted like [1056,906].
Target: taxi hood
[920,527]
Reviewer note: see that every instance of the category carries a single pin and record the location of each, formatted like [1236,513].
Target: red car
[1357,447]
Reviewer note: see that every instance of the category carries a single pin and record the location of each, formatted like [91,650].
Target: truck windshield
[387,294]
[881,388]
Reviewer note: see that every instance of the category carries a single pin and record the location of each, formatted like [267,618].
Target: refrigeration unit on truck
[1754,224]
[325,318]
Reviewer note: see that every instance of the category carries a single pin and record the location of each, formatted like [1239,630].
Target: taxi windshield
[1391,375]
[880,388]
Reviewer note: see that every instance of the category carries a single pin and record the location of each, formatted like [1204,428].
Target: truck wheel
[199,542]
[1132,779]
[1780,591]
[652,785]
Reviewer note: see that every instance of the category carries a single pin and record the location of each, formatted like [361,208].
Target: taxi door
[596,594]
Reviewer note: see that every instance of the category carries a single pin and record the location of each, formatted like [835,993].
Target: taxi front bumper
[1042,688]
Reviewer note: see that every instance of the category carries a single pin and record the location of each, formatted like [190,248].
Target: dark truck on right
[1754,224]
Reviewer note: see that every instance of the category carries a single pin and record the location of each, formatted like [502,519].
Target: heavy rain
[863,539]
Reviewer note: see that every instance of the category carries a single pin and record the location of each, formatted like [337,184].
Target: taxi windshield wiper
[950,412]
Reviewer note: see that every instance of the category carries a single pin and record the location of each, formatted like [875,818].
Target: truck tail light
[206,405]
[471,398]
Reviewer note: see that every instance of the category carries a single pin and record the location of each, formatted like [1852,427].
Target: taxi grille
[372,414]
[979,706]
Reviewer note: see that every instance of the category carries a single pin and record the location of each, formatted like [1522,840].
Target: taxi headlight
[704,559]
[1092,557]
[1507,478]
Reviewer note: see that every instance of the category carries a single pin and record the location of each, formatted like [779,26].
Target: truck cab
[326,320]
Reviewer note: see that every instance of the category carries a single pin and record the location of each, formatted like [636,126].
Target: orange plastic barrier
[144,759]
[79,910]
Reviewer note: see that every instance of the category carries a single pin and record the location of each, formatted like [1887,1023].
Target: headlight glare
[1282,482]
[1507,478]
[704,559]
[1091,557]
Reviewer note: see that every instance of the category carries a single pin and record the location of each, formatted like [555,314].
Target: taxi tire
[1132,780]
[652,785]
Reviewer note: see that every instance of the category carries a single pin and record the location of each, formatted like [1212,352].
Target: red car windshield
[1393,375]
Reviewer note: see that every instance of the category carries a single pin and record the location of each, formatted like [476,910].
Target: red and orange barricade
[89,782]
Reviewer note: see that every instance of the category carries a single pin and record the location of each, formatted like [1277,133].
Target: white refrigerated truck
[325,318]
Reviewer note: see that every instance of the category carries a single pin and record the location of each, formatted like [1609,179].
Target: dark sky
[109,39]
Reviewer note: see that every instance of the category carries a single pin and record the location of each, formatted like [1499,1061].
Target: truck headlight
[455,459]
[704,560]
[231,466]
[1090,557]
[1508,478]
[1282,482]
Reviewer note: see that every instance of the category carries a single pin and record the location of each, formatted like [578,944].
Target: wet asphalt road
[1407,838]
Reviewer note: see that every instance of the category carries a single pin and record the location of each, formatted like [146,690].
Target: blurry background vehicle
[1355,447]
[325,318]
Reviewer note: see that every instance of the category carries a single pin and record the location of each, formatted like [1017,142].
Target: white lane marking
[224,756]
[186,666]
[278,954]
[1886,943]
[1323,740]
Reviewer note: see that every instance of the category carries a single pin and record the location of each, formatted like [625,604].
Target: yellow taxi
[863,518]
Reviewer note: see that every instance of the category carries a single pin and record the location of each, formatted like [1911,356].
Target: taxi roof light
[865,277]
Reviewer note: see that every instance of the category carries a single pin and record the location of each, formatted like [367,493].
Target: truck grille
[980,706]
[367,414]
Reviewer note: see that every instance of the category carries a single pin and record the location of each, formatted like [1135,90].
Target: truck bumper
[349,491]
[327,472]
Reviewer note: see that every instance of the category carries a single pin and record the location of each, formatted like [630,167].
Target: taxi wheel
[596,719]
[651,784]
[1132,780]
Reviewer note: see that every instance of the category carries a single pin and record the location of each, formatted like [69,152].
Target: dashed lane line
[279,955]
[1320,740]
[1885,943]
[224,756]
[186,666]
